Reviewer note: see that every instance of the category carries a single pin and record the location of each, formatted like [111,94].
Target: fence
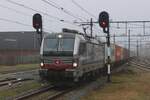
[13,60]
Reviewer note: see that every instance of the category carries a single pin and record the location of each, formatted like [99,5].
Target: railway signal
[104,23]
[37,24]
[37,21]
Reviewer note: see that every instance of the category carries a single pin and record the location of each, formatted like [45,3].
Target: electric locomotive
[70,56]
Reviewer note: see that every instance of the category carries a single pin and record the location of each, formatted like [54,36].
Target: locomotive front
[57,56]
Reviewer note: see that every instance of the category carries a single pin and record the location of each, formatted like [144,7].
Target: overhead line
[53,5]
[54,17]
[128,27]
[115,22]
[112,22]
[17,11]
[11,21]
[24,6]
[17,22]
[61,8]
[83,9]
[130,21]
[125,36]
[132,41]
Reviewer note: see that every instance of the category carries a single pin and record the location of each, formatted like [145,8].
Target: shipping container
[118,53]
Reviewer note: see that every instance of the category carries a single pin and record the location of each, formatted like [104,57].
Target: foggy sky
[117,9]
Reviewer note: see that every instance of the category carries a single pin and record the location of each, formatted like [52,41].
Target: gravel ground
[82,90]
[129,84]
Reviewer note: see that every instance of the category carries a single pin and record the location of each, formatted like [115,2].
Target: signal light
[103,24]
[104,21]
[37,21]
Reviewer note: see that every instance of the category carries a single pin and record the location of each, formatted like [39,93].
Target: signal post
[104,23]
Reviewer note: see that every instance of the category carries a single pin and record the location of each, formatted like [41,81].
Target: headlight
[59,36]
[42,64]
[75,64]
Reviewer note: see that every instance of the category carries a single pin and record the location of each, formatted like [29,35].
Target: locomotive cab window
[67,44]
[50,44]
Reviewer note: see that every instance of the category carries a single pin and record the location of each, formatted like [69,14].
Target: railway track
[54,93]
[7,79]
[141,64]
[18,74]
[29,94]
[59,94]
[11,81]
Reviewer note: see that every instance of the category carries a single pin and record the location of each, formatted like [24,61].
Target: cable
[56,18]
[129,24]
[141,25]
[51,3]
[83,9]
[17,11]
[128,27]
[54,4]
[16,22]
[21,5]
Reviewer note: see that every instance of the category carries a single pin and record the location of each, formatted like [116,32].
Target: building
[19,47]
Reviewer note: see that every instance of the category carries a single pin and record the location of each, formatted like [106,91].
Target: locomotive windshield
[67,44]
[58,46]
[50,44]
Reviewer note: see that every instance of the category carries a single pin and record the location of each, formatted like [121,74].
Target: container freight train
[73,57]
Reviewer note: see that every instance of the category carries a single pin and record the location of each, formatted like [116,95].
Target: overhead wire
[55,5]
[17,22]
[128,27]
[83,9]
[17,11]
[12,21]
[24,6]
[46,14]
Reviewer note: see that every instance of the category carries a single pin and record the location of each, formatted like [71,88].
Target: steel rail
[32,93]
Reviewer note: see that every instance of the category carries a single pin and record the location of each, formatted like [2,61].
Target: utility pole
[140,48]
[108,58]
[129,43]
[126,28]
[137,48]
[91,24]
[114,39]
[144,28]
